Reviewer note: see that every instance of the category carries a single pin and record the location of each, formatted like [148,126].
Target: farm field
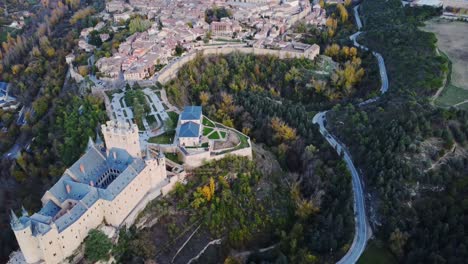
[452,41]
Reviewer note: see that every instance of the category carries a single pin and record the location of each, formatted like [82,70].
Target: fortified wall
[170,71]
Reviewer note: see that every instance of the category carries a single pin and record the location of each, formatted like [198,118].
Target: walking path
[362,229]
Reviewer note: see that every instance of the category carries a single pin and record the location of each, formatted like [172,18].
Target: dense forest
[415,166]
[413,156]
[409,53]
[283,123]
[318,84]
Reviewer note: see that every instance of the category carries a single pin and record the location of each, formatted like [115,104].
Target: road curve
[362,229]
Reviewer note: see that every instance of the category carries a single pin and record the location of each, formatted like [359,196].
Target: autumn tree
[332,25]
[204,98]
[283,132]
[332,50]
[343,13]
[226,108]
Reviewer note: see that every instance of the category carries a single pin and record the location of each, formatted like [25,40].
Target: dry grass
[453,41]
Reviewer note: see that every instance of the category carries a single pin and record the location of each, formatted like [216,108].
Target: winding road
[362,229]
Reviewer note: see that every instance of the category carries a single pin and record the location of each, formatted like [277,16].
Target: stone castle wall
[170,71]
[196,160]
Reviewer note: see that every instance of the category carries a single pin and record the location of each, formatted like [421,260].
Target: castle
[110,183]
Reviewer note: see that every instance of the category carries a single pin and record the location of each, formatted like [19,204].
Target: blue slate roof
[191,113]
[80,189]
[189,129]
[49,209]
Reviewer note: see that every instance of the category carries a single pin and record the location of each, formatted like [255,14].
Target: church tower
[122,135]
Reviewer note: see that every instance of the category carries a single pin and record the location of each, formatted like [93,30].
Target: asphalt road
[362,229]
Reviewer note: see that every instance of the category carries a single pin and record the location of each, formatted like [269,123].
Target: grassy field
[451,39]
[451,96]
[376,254]
[165,138]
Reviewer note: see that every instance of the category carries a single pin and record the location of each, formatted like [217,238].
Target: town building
[109,184]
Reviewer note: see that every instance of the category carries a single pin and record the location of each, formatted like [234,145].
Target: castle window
[50,242]
[55,254]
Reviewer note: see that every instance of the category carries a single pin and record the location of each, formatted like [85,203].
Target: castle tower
[156,167]
[123,136]
[28,244]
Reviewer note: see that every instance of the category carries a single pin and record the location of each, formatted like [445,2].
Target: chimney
[82,168]
[68,188]
[91,183]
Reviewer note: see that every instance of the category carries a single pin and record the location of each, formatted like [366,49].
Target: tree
[343,13]
[138,24]
[283,131]
[16,69]
[83,70]
[179,49]
[333,50]
[95,38]
[204,98]
[397,242]
[40,106]
[97,246]
[332,25]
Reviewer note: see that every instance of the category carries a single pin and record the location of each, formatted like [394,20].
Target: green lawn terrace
[196,138]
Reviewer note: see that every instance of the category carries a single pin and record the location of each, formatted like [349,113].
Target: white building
[189,126]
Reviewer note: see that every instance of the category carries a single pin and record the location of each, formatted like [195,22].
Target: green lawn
[244,141]
[376,253]
[174,117]
[207,122]
[223,134]
[151,120]
[166,138]
[214,135]
[452,95]
[173,156]
[207,130]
